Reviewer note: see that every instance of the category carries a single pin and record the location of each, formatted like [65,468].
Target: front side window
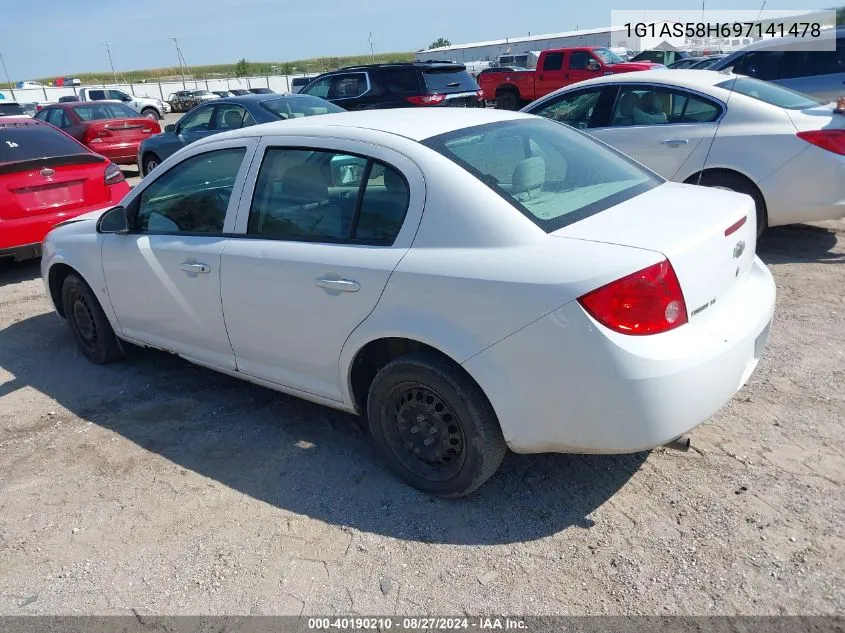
[575,109]
[118,95]
[348,86]
[316,195]
[552,174]
[646,105]
[191,197]
[579,60]
[199,121]
[607,56]
[319,88]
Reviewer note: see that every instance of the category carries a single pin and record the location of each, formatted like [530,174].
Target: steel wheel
[83,321]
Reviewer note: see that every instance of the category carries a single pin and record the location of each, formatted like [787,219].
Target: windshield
[607,56]
[11,109]
[299,107]
[35,141]
[551,173]
[96,112]
[770,93]
[200,93]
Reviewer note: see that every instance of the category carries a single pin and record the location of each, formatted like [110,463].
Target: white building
[492,50]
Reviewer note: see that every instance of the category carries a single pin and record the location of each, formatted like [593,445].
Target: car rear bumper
[20,253]
[567,384]
[120,153]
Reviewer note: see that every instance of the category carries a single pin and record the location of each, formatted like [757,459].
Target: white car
[468,279]
[784,149]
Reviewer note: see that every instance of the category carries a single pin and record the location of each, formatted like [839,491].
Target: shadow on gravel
[12,272]
[799,243]
[295,455]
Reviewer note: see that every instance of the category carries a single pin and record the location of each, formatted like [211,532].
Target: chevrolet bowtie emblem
[739,249]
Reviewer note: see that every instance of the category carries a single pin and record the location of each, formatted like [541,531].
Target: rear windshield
[449,80]
[551,173]
[299,107]
[98,111]
[11,109]
[35,141]
[770,93]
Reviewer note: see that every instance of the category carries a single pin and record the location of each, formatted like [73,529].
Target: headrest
[529,174]
[305,184]
[627,103]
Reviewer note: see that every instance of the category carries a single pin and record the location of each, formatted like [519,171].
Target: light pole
[372,53]
[9,81]
[179,57]
[111,63]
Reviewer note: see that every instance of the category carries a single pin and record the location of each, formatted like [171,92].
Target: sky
[53,38]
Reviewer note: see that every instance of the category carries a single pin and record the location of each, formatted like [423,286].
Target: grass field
[255,69]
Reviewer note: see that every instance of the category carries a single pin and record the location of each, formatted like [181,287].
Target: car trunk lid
[817,118]
[708,235]
[120,130]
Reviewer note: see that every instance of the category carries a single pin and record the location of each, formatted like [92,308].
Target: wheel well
[729,172]
[376,354]
[55,280]
[507,88]
[146,155]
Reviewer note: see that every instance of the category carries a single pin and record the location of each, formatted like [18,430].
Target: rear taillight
[649,301]
[479,94]
[831,140]
[426,100]
[113,174]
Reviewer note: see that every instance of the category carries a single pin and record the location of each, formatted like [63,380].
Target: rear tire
[735,182]
[151,113]
[508,100]
[434,425]
[151,161]
[90,326]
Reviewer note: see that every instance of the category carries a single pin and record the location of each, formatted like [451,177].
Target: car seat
[625,109]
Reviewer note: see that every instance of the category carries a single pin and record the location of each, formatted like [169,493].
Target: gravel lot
[156,486]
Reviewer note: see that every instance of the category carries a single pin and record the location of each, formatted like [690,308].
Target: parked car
[555,68]
[298,83]
[224,115]
[708,62]
[820,74]
[403,85]
[475,263]
[784,149]
[660,57]
[687,62]
[203,95]
[182,100]
[13,108]
[240,92]
[223,94]
[46,177]
[147,106]
[262,91]
[110,129]
[68,99]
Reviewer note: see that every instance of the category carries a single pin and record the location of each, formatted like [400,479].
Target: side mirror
[592,64]
[113,221]
[126,98]
[170,128]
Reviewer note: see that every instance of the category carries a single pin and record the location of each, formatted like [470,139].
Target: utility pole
[761,11]
[113,74]
[9,81]
[372,53]
[179,57]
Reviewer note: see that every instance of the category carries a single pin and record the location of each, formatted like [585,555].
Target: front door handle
[195,267]
[338,285]
[675,142]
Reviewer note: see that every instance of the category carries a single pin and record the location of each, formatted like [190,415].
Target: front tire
[90,326]
[735,182]
[151,113]
[151,161]
[434,425]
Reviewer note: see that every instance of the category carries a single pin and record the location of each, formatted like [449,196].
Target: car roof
[684,77]
[414,123]
[423,65]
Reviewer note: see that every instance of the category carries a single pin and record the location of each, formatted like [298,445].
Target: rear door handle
[338,285]
[195,267]
[675,142]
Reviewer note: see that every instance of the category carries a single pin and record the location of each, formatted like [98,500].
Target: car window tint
[299,106]
[347,86]
[36,141]
[401,81]
[98,111]
[575,109]
[96,95]
[770,93]
[199,121]
[578,60]
[229,117]
[659,106]
[55,117]
[191,197]
[319,88]
[553,175]
[117,94]
[11,109]
[447,79]
[554,61]
[316,196]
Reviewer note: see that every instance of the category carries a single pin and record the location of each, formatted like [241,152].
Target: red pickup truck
[556,68]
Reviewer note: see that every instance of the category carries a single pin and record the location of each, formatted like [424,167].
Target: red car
[111,129]
[47,177]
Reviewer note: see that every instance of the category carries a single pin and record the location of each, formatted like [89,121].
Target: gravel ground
[156,486]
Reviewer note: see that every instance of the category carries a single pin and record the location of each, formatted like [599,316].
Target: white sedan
[469,280]
[784,149]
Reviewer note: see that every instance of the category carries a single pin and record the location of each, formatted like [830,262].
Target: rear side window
[449,80]
[11,109]
[323,196]
[35,141]
[770,93]
[400,81]
[552,174]
[554,61]
[97,95]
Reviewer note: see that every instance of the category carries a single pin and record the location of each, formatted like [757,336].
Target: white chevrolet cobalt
[469,280]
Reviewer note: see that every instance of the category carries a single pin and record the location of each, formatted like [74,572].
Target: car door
[163,278]
[195,125]
[663,128]
[581,65]
[551,76]
[321,229]
[349,90]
